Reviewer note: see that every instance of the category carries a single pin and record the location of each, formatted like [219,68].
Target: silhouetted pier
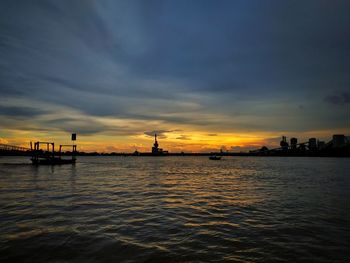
[49,156]
[12,149]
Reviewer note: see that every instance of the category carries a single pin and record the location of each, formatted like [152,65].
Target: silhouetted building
[338,140]
[321,145]
[264,149]
[284,144]
[302,147]
[339,146]
[293,143]
[312,144]
[155,149]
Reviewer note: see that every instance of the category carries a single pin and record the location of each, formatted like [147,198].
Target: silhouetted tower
[321,144]
[293,143]
[284,144]
[312,144]
[155,141]
[155,149]
[338,140]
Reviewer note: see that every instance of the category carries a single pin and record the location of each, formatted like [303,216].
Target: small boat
[214,157]
[52,161]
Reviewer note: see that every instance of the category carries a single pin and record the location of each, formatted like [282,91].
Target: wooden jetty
[50,157]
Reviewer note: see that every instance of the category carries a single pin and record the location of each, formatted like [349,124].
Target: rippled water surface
[176,209]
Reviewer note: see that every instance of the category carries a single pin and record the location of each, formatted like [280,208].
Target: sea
[176,209]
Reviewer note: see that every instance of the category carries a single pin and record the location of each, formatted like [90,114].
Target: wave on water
[175,209]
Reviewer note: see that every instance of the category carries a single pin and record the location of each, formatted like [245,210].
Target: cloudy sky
[202,74]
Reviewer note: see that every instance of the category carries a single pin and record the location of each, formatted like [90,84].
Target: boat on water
[50,157]
[52,161]
[215,157]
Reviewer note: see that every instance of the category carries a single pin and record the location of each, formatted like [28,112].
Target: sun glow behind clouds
[171,140]
[174,141]
[190,131]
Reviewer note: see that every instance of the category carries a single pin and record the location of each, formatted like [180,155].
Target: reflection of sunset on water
[170,207]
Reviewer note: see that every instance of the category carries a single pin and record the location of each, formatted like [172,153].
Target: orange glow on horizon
[172,141]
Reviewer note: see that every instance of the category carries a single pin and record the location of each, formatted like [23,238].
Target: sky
[202,74]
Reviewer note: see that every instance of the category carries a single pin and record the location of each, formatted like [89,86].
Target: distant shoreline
[281,154]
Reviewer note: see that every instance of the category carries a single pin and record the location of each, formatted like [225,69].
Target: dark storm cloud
[17,111]
[158,60]
[340,98]
[82,125]
[160,133]
[183,137]
[88,126]
[247,46]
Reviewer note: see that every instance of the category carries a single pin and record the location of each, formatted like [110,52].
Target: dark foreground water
[176,209]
